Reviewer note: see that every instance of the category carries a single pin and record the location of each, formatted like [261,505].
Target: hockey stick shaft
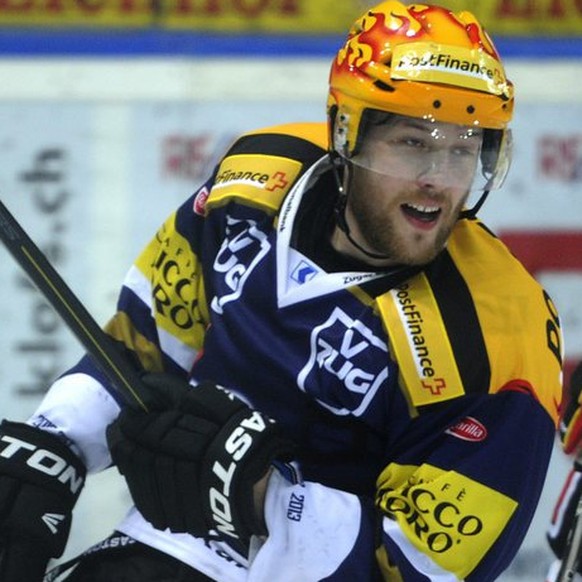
[98,344]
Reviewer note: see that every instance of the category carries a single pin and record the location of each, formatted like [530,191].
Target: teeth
[426,209]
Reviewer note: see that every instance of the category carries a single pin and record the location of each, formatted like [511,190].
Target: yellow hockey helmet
[420,61]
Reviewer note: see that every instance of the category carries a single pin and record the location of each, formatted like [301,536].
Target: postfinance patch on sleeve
[257,178]
[445,515]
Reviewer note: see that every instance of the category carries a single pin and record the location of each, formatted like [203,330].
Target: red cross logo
[435,387]
[278,180]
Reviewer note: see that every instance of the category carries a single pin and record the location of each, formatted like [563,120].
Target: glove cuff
[239,456]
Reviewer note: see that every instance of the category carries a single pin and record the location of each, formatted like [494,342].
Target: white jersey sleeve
[78,409]
[315,533]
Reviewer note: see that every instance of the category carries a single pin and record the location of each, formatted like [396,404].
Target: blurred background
[113,111]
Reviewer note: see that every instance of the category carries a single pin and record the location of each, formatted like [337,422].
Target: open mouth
[422,213]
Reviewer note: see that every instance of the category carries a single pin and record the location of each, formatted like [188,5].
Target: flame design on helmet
[421,61]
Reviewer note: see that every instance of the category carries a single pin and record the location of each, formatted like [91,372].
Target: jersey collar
[298,277]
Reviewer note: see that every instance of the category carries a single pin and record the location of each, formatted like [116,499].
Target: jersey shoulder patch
[262,166]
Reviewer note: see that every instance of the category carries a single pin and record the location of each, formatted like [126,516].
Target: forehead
[434,129]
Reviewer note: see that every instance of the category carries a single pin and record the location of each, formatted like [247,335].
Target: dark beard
[379,238]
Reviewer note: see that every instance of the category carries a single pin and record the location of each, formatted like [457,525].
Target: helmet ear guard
[495,162]
[339,124]
[496,155]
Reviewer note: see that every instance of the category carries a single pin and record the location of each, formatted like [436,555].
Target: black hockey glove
[40,481]
[564,514]
[191,466]
[571,420]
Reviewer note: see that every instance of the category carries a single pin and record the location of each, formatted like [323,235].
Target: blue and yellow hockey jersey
[423,401]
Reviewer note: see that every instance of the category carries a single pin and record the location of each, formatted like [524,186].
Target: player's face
[408,186]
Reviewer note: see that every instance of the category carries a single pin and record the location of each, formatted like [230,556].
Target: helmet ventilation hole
[383,86]
[470,109]
[436,104]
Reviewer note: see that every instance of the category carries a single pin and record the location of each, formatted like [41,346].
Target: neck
[343,242]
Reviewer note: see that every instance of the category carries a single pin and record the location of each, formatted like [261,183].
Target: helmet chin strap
[471,213]
[340,208]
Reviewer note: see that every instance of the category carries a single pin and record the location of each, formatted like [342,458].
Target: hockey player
[563,521]
[350,377]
